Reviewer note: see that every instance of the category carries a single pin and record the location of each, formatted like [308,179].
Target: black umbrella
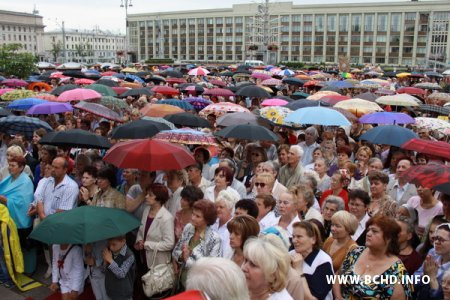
[62,88]
[74,73]
[248,132]
[390,74]
[294,105]
[155,79]
[434,108]
[136,92]
[288,99]
[140,129]
[108,82]
[142,74]
[332,89]
[226,73]
[367,96]
[253,91]
[172,73]
[75,138]
[192,88]
[187,119]
[293,81]
[23,125]
[5,112]
[434,74]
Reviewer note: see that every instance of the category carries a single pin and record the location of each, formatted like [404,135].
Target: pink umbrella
[84,81]
[198,72]
[78,95]
[218,83]
[219,92]
[222,108]
[2,91]
[261,76]
[271,82]
[14,82]
[274,102]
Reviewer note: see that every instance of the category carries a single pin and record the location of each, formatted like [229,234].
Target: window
[382,22]
[410,16]
[238,20]
[356,22]
[307,18]
[191,21]
[331,23]
[381,39]
[209,21]
[284,19]
[307,28]
[228,20]
[343,23]
[296,18]
[319,23]
[368,38]
[296,28]
[219,21]
[368,22]
[395,22]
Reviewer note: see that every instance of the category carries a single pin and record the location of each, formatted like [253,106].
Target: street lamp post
[125,4]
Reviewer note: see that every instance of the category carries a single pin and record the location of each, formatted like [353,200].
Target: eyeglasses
[260,184]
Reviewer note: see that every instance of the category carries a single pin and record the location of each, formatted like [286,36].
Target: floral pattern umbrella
[439,97]
[428,86]
[17,94]
[276,115]
[222,108]
[431,123]
[5,90]
[272,82]
[186,136]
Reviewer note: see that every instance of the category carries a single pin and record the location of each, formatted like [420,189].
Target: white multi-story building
[24,29]
[84,46]
[389,33]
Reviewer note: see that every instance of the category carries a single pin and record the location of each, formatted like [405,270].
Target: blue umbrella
[25,125]
[341,84]
[388,135]
[119,75]
[49,108]
[317,116]
[130,77]
[389,118]
[26,103]
[175,102]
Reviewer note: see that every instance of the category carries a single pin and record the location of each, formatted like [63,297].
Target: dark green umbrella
[84,225]
[102,89]
[62,88]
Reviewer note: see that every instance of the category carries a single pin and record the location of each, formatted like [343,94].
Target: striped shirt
[64,196]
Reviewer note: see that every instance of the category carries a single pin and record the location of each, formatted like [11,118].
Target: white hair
[228,198]
[219,278]
[313,131]
[297,149]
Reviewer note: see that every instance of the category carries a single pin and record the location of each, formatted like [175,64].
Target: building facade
[390,33]
[24,29]
[84,46]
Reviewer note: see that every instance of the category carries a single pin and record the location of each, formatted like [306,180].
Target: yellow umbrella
[129,70]
[403,75]
[358,107]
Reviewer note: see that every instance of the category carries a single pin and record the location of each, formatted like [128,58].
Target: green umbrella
[102,89]
[17,94]
[83,225]
[113,103]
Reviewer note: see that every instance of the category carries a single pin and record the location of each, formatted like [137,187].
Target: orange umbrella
[303,77]
[160,110]
[130,84]
[40,85]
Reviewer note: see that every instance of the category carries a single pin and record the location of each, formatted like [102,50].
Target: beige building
[390,33]
[84,46]
[24,29]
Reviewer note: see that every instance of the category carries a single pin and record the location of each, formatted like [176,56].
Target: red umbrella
[219,92]
[149,155]
[411,90]
[173,80]
[436,148]
[218,83]
[108,73]
[165,90]
[429,175]
[120,89]
[84,81]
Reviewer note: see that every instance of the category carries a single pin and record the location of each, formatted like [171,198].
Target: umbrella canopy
[317,116]
[274,102]
[431,123]
[198,72]
[24,125]
[253,91]
[14,83]
[17,94]
[388,135]
[218,83]
[434,108]
[428,176]
[149,155]
[341,84]
[293,81]
[175,80]
[277,115]
[187,119]
[40,85]
[359,107]
[160,110]
[436,148]
[24,104]
[428,86]
[389,118]
[76,138]
[218,92]
[99,110]
[61,89]
[248,132]
[84,81]
[175,102]
[108,82]
[159,120]
[411,90]
[48,108]
[172,73]
[222,108]
[165,90]
[237,118]
[272,82]
[102,89]
[136,92]
[84,225]
[445,97]
[5,112]
[139,129]
[5,90]
[198,103]
[78,95]
[334,99]
[113,103]
[186,136]
[400,100]
[262,76]
[301,103]
[367,96]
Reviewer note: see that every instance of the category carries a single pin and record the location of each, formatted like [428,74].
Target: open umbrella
[429,175]
[198,103]
[399,100]
[61,89]
[5,112]
[445,97]
[5,90]
[436,148]
[293,81]
[428,86]
[222,108]
[17,94]
[14,83]
[198,72]
[136,92]
[21,124]
[359,107]
[411,90]
[237,118]
[78,95]
[48,108]
[277,115]
[113,103]
[40,85]
[165,90]
[253,91]
[139,129]
[218,92]
[389,118]
[175,102]
[24,104]
[300,103]
[84,81]
[160,110]
[434,108]
[248,132]
[76,138]
[186,136]
[274,102]
[187,119]
[160,120]
[388,135]
[317,116]
[102,89]
[334,99]
[84,225]
[108,82]
[431,123]
[99,110]
[149,155]
[271,82]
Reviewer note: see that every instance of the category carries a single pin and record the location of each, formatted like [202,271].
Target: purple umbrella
[49,108]
[198,103]
[390,118]
[14,82]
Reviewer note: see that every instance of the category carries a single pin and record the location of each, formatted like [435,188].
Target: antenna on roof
[35,11]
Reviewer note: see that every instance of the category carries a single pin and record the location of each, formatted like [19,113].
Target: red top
[343,194]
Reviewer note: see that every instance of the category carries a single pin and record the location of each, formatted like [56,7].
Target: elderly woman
[198,238]
[266,267]
[378,258]
[287,207]
[435,265]
[268,176]
[156,233]
[331,205]
[16,193]
[343,226]
[107,196]
[336,189]
[223,177]
[129,177]
[282,151]
[189,195]
[248,169]
[329,152]
[241,228]
[408,240]
[380,201]
[88,187]
[321,168]
[309,260]
[266,216]
[305,201]
[176,181]
[224,204]
[14,151]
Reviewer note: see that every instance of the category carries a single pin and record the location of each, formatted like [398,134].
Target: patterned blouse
[371,290]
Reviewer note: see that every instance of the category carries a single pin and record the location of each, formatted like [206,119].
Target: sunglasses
[260,184]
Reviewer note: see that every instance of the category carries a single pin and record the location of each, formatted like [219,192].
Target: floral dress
[371,290]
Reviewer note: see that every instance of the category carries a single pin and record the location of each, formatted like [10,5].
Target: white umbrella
[399,99]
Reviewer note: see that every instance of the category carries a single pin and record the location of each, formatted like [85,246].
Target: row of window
[18,28]
[18,38]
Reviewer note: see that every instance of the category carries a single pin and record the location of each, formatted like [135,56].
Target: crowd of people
[248,220]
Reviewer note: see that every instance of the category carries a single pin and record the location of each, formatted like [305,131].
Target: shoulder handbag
[158,279]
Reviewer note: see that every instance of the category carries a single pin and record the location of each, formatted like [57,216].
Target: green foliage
[292,64]
[13,62]
[56,49]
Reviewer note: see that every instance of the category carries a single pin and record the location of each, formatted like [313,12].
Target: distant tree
[56,49]
[13,62]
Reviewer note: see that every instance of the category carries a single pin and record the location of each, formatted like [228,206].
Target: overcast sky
[107,14]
